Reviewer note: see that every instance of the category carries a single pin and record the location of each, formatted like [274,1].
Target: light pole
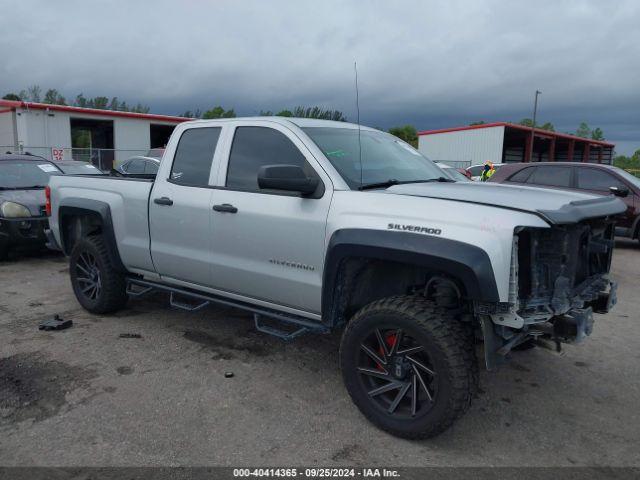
[533,125]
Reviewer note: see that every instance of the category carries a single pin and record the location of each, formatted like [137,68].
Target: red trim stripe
[539,132]
[11,104]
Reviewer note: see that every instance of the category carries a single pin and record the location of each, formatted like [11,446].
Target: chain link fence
[103,158]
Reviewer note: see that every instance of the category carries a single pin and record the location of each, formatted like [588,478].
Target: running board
[137,287]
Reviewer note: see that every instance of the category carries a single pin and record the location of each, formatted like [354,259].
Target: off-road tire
[113,294]
[448,341]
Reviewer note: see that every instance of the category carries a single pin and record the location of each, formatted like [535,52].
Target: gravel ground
[88,397]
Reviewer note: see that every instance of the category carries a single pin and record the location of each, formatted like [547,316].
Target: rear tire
[98,285]
[376,375]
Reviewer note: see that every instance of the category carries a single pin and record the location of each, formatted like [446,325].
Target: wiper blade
[385,184]
[391,182]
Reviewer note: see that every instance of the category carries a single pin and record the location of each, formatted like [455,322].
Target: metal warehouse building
[60,132]
[504,142]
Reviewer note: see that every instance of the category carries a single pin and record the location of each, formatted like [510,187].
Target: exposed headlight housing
[13,210]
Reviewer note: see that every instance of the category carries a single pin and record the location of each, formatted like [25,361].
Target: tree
[583,130]
[114,105]
[597,134]
[284,113]
[480,122]
[53,97]
[219,112]
[11,96]
[547,126]
[317,112]
[80,101]
[100,102]
[31,94]
[527,122]
[408,133]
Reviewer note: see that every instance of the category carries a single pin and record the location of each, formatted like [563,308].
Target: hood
[34,200]
[554,206]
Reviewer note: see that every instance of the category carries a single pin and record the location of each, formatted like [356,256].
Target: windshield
[384,157]
[16,174]
[632,179]
[80,169]
[454,174]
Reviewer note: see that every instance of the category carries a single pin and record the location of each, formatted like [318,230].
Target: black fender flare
[72,206]
[467,263]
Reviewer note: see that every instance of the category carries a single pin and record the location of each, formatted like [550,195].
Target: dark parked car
[139,165]
[587,177]
[23,215]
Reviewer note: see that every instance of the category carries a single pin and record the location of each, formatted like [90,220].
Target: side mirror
[619,191]
[290,178]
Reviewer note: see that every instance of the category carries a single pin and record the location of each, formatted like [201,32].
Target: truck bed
[128,204]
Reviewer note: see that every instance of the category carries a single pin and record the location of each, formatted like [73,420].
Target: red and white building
[59,132]
[503,142]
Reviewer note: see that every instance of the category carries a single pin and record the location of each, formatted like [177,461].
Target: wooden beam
[586,152]
[552,150]
[572,144]
[527,147]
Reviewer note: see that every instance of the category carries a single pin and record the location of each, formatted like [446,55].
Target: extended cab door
[180,206]
[268,245]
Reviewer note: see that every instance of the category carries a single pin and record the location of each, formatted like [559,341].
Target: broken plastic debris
[55,323]
[130,335]
[228,374]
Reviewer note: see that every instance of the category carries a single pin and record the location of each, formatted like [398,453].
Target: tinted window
[254,147]
[194,155]
[592,179]
[551,176]
[522,175]
[151,167]
[135,166]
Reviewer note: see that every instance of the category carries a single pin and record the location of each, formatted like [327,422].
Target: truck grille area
[564,266]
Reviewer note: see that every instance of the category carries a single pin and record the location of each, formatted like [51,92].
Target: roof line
[538,131]
[13,104]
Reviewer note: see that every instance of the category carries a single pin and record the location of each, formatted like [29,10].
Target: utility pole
[533,125]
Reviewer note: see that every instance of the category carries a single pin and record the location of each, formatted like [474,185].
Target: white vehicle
[316,225]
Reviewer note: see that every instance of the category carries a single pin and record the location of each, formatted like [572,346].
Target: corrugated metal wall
[474,146]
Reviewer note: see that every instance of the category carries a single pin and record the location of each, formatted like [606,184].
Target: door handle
[225,207]
[163,201]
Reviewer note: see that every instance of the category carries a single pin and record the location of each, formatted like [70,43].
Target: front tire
[409,365]
[98,285]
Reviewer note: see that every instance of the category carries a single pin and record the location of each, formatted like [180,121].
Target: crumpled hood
[555,206]
[32,199]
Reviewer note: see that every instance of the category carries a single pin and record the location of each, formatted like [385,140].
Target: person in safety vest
[487,172]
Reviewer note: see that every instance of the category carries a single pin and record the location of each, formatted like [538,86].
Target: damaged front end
[559,278]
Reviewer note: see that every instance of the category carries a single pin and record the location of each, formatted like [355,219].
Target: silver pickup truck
[314,225]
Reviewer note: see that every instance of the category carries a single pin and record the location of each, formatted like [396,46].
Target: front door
[269,245]
[180,209]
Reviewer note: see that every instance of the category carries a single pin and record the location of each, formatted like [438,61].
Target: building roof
[539,132]
[12,105]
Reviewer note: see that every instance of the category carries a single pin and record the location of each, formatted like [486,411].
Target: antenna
[355,68]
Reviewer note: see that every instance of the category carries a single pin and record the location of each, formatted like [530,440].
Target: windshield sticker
[336,153]
[47,167]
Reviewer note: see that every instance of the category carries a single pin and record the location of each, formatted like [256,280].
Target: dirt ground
[147,386]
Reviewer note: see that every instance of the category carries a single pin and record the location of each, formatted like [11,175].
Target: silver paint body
[244,255]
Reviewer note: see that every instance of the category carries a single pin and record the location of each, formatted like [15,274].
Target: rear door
[180,208]
[554,176]
[598,181]
[269,245]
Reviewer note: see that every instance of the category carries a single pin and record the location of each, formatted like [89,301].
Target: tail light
[47,205]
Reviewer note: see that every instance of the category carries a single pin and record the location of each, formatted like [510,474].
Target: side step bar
[137,287]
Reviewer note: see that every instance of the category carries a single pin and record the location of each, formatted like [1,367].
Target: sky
[429,64]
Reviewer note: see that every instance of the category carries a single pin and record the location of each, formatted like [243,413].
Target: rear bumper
[23,232]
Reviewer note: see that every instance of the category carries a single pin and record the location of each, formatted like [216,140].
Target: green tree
[53,97]
[80,101]
[583,130]
[527,122]
[480,122]
[597,134]
[100,102]
[219,112]
[114,104]
[11,96]
[317,112]
[284,113]
[408,133]
[547,126]
[31,94]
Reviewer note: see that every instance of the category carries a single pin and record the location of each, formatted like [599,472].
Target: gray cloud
[433,64]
